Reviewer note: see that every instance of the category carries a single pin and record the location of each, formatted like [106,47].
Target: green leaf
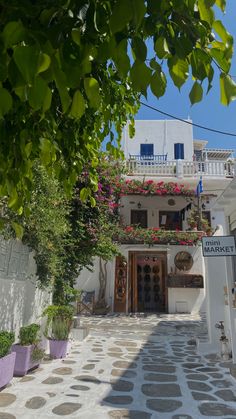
[206,13]
[221,4]
[47,150]
[13,199]
[92,91]
[61,84]
[158,83]
[178,70]
[37,93]
[26,59]
[140,76]
[121,58]
[13,33]
[121,15]
[219,56]
[227,89]
[139,48]
[92,201]
[196,93]
[139,10]
[47,100]
[131,129]
[75,34]
[161,47]
[5,101]
[44,63]
[18,229]
[78,105]
[84,193]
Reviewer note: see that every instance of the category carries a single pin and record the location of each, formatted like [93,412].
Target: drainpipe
[225,351]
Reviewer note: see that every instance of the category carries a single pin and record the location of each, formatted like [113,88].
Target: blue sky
[209,112]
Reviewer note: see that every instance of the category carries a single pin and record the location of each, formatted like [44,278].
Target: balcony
[178,168]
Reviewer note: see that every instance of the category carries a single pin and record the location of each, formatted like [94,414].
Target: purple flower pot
[23,359]
[6,368]
[58,348]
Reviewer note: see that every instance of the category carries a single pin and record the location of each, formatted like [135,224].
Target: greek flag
[199,189]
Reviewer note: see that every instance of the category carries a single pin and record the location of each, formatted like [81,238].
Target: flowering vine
[150,187]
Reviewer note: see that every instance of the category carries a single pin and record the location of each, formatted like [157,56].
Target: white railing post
[179,168]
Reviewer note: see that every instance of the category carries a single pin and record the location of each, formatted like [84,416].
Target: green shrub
[37,354]
[59,321]
[6,341]
[29,334]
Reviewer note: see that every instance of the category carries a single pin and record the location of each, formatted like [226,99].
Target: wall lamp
[139,205]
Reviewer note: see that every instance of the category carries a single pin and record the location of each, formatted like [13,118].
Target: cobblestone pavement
[128,367]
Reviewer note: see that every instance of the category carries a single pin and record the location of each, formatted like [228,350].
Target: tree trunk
[102,283]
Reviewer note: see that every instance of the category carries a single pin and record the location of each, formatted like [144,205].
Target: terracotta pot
[58,348]
[6,368]
[23,359]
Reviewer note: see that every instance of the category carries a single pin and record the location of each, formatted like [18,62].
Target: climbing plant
[71,70]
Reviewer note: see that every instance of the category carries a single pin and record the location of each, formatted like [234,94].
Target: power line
[188,122]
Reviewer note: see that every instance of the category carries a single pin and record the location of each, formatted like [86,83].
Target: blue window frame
[146,150]
[179,151]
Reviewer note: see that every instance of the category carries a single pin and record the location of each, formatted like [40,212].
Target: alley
[128,367]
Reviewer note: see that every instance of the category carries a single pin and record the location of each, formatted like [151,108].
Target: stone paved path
[128,367]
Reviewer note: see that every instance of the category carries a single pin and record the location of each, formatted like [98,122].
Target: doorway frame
[132,276]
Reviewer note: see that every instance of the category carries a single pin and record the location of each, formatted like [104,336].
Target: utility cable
[188,122]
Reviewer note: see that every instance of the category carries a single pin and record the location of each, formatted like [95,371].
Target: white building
[164,277]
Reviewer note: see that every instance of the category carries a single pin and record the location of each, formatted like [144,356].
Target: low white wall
[21,301]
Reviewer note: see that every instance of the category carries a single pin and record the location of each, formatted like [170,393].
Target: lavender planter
[6,368]
[23,359]
[58,348]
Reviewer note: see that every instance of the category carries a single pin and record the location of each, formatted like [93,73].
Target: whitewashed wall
[21,302]
[163,134]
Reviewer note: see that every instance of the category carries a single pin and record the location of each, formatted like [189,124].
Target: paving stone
[118,400]
[161,390]
[66,408]
[72,395]
[197,377]
[226,395]
[182,416]
[35,403]
[89,367]
[124,364]
[68,361]
[160,377]
[196,385]
[191,366]
[4,415]
[26,378]
[208,369]
[125,343]
[216,409]
[97,350]
[115,349]
[53,380]
[122,373]
[122,385]
[215,375]
[221,383]
[62,371]
[51,394]
[162,405]
[80,388]
[160,368]
[100,371]
[6,399]
[87,379]
[129,414]
[115,355]
[197,395]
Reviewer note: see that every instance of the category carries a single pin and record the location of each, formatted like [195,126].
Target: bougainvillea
[151,236]
[149,187]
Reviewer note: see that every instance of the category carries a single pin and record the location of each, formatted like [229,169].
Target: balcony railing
[180,168]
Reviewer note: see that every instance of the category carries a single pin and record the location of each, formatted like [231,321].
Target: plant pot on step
[28,353]
[58,327]
[24,359]
[58,348]
[7,360]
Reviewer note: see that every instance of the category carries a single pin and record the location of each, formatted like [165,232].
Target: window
[139,217]
[170,220]
[179,151]
[146,150]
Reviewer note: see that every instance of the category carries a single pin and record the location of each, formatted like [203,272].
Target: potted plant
[28,352]
[58,326]
[7,358]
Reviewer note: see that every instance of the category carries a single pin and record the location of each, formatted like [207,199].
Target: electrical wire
[189,122]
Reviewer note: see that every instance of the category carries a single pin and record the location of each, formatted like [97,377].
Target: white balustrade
[180,168]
